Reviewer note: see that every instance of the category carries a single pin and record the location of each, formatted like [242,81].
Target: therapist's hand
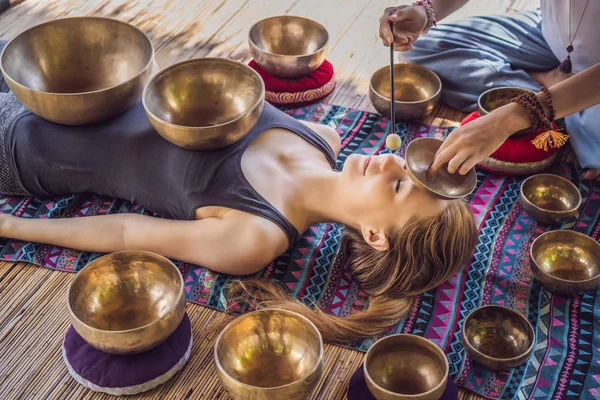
[408,25]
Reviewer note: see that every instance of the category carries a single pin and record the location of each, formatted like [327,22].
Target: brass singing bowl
[79,70]
[419,156]
[269,354]
[402,367]
[288,46]
[550,199]
[497,337]
[126,302]
[566,262]
[416,91]
[204,103]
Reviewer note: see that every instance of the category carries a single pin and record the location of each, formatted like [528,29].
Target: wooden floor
[33,315]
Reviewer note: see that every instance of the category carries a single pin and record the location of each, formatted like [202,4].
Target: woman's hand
[592,174]
[408,22]
[472,143]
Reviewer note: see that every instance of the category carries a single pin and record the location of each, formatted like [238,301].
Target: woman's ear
[375,238]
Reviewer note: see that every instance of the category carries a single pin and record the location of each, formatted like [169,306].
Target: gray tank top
[127,159]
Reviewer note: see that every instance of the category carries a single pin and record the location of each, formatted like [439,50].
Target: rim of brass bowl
[255,25]
[424,341]
[91,265]
[72,94]
[237,320]
[529,203]
[472,175]
[260,100]
[320,49]
[403,65]
[471,349]
[555,232]
[482,96]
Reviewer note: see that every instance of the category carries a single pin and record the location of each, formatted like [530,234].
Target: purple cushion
[127,374]
[358,390]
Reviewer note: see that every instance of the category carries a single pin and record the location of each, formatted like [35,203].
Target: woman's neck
[320,200]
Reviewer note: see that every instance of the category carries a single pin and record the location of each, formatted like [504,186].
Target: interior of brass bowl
[289,35]
[77,55]
[203,93]
[567,255]
[497,97]
[124,291]
[412,83]
[551,193]
[498,333]
[269,348]
[419,157]
[406,364]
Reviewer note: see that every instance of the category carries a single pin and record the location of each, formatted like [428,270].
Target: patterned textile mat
[566,359]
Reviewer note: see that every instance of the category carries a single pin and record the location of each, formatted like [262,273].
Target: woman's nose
[393,164]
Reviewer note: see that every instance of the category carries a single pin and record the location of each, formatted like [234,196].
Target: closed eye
[398,185]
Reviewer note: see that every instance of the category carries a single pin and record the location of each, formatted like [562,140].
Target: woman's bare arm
[470,144]
[237,246]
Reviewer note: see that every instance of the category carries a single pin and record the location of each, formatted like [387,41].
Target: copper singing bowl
[497,337]
[566,262]
[288,46]
[127,302]
[269,354]
[550,199]
[416,91]
[419,156]
[204,103]
[402,367]
[80,70]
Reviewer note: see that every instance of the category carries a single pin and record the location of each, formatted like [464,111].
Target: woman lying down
[236,209]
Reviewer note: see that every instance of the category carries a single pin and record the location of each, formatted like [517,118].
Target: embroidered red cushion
[517,155]
[297,92]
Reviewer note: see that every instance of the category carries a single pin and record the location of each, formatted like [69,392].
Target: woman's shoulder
[328,134]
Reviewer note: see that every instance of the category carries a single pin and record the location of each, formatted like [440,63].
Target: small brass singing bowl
[419,157]
[566,262]
[549,199]
[404,366]
[416,91]
[204,103]
[495,98]
[126,302]
[288,46]
[80,70]
[269,354]
[497,337]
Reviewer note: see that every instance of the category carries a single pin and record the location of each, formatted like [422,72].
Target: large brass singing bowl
[127,302]
[416,91]
[288,46]
[80,70]
[566,262]
[205,103]
[269,354]
[497,337]
[419,157]
[550,199]
[403,367]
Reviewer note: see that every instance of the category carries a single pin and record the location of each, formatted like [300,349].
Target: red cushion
[517,155]
[301,91]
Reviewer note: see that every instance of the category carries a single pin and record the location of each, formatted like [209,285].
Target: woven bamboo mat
[33,314]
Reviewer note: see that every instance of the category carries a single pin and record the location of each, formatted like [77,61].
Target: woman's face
[378,191]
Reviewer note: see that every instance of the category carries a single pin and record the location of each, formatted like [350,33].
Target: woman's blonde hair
[423,254]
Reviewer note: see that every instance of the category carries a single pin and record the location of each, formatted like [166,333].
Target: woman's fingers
[592,174]
[470,163]
[441,158]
